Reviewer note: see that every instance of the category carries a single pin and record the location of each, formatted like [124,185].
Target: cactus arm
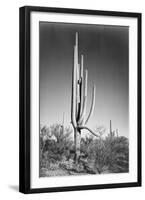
[78,93]
[92,104]
[73,108]
[81,84]
[82,115]
[85,95]
[83,111]
[78,83]
[82,65]
[85,127]
[79,73]
[77,101]
[76,41]
[86,82]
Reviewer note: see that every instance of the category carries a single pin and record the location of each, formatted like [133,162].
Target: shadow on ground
[14,187]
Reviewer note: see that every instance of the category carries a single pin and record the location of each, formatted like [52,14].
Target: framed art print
[80,99]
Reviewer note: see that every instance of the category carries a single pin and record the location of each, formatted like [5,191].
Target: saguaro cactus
[112,132]
[117,132]
[79,99]
[111,129]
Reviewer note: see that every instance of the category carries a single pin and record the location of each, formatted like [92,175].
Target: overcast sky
[105,50]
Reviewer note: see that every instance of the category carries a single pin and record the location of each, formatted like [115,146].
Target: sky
[105,49]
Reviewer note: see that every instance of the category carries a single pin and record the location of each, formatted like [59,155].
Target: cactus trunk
[77,144]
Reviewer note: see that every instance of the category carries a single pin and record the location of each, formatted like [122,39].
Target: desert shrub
[98,154]
[67,164]
[111,154]
[107,154]
[118,158]
[54,145]
[86,146]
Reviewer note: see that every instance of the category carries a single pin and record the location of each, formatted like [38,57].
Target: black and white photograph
[84,107]
[80,94]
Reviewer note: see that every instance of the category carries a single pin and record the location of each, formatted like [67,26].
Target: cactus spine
[79,99]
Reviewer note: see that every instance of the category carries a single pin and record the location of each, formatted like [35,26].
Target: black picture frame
[25,95]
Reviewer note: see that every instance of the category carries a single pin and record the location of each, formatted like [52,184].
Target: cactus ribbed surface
[79,99]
